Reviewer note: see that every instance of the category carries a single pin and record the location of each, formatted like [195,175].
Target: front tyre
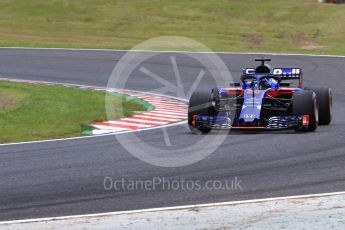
[199,104]
[305,103]
[324,103]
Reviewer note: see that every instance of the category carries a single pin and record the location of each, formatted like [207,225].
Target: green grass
[303,26]
[35,112]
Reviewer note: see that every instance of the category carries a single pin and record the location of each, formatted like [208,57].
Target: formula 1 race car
[264,99]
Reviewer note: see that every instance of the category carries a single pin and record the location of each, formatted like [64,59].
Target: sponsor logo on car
[249,115]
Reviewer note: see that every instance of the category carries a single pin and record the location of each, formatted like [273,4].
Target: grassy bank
[35,112]
[224,25]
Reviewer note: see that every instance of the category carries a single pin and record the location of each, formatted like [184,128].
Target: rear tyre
[324,103]
[199,104]
[305,103]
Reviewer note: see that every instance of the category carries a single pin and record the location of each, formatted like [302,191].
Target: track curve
[66,177]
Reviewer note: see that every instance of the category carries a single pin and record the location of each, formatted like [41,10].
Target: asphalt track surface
[66,177]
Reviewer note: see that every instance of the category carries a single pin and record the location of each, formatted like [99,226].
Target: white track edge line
[180,51]
[91,87]
[173,208]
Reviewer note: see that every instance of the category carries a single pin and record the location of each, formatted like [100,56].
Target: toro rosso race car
[264,99]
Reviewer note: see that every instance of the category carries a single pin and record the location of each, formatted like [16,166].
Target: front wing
[275,122]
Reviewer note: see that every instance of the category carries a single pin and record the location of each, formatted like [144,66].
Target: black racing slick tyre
[305,103]
[324,103]
[199,104]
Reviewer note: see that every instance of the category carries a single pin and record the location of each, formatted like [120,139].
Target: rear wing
[283,73]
